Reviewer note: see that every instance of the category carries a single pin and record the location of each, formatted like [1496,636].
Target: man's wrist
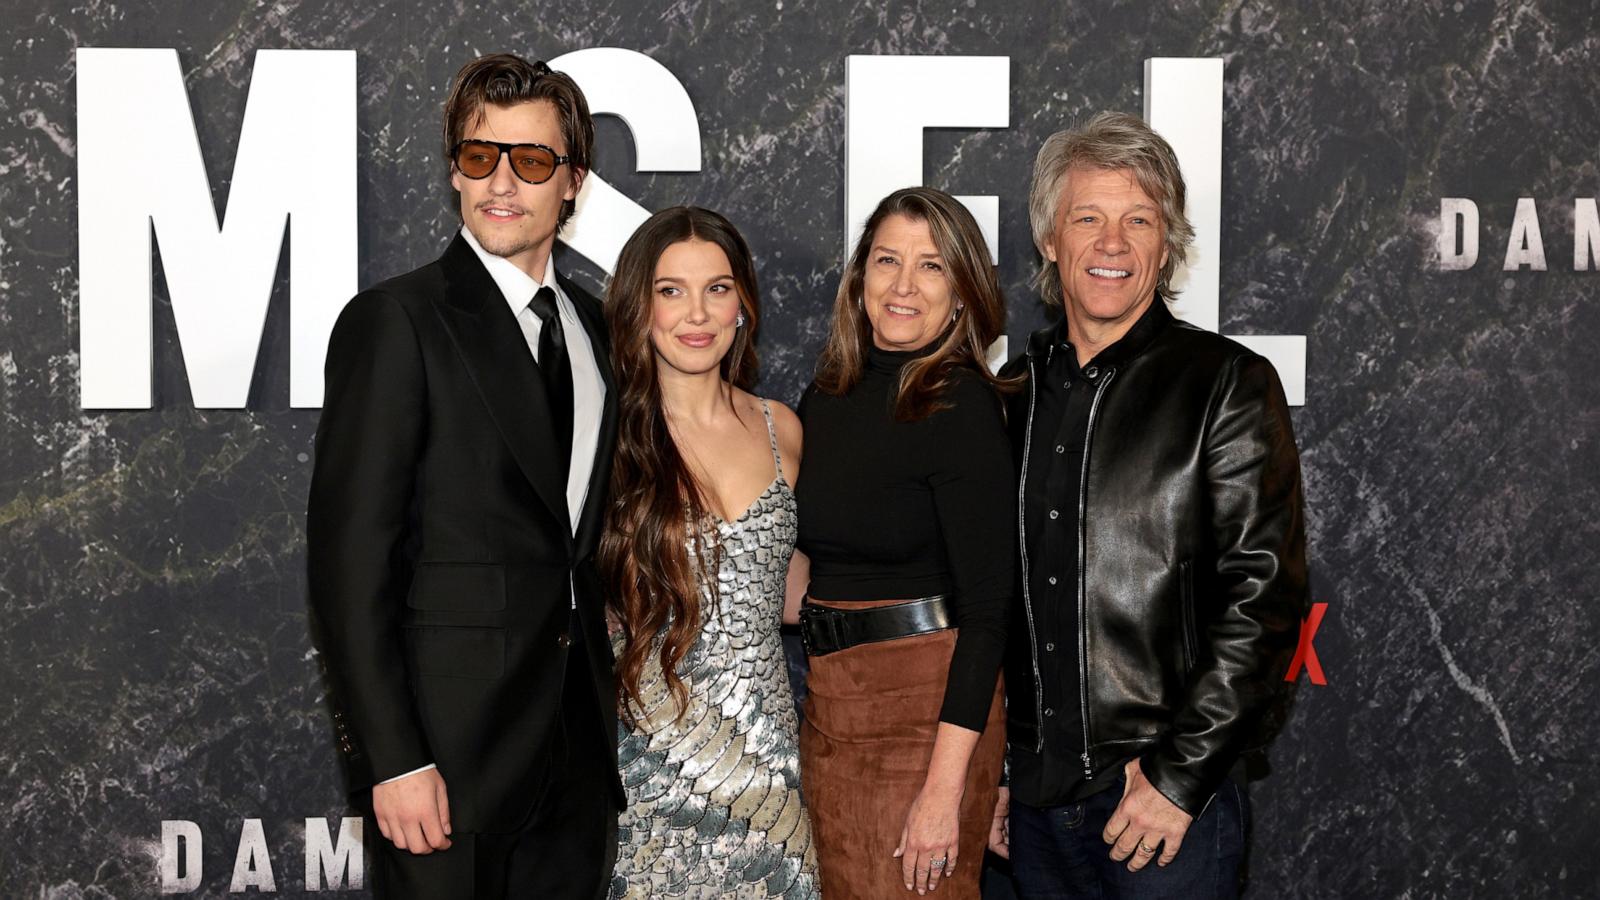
[409,774]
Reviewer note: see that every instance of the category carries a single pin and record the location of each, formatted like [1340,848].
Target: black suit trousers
[552,855]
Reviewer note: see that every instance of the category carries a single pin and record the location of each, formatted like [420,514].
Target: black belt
[829,629]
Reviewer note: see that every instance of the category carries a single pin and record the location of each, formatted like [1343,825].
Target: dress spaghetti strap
[772,437]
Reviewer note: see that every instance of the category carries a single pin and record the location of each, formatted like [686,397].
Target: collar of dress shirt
[515,285]
[1149,324]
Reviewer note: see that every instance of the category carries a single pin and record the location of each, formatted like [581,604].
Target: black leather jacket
[1192,572]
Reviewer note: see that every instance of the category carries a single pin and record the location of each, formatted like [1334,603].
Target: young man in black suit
[455,507]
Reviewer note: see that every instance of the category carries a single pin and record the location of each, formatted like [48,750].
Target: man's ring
[1144,849]
[938,863]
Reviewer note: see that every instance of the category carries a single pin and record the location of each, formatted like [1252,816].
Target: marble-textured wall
[153,645]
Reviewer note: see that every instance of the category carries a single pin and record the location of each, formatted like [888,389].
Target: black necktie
[557,370]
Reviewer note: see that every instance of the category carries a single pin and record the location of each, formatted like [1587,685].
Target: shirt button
[1051,579]
[564,641]
[1060,448]
[1049,712]
[1092,372]
[1055,514]
[1049,648]
[1066,385]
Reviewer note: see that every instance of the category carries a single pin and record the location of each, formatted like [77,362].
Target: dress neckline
[776,484]
[777,477]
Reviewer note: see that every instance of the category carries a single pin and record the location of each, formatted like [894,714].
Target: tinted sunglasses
[533,163]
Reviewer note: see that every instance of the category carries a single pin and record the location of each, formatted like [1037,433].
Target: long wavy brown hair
[965,341]
[657,506]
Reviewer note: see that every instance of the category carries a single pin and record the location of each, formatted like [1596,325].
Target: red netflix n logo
[1306,653]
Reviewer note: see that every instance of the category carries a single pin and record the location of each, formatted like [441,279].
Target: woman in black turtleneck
[906,517]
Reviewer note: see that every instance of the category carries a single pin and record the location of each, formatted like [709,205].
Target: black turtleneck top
[898,510]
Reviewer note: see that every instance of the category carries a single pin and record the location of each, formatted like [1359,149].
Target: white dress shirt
[588,390]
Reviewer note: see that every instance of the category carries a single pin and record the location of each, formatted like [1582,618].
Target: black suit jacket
[440,547]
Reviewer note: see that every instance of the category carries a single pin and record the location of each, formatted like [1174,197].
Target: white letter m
[139,164]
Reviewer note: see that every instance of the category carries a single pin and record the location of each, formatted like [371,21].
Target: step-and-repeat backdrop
[1396,205]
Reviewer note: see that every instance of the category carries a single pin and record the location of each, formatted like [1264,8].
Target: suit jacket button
[564,641]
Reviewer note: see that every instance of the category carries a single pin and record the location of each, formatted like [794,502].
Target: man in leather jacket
[1163,573]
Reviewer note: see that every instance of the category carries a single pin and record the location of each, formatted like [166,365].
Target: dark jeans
[1057,851]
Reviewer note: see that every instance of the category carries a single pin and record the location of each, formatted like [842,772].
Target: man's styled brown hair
[501,79]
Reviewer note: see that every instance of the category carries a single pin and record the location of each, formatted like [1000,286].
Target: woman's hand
[930,841]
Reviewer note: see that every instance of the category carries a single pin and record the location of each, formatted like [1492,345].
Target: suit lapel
[590,313]
[496,356]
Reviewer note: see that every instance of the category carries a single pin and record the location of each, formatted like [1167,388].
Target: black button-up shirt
[1052,494]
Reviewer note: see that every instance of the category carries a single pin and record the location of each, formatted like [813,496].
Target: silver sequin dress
[714,798]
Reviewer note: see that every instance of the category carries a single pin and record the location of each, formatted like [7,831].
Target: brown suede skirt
[872,713]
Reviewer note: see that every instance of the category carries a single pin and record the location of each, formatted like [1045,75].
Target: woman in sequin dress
[695,558]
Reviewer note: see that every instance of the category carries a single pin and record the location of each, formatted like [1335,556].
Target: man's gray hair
[1110,140]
